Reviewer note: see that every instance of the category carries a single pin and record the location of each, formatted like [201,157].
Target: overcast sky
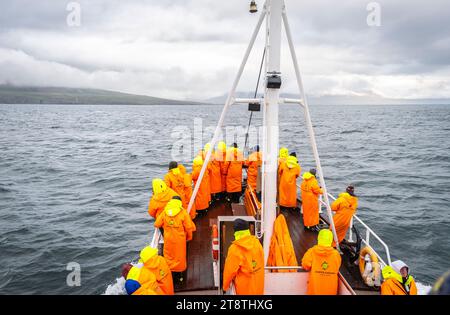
[191,49]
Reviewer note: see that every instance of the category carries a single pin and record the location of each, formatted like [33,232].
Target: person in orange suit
[215,177]
[244,265]
[253,163]
[233,166]
[310,200]
[287,189]
[156,265]
[323,262]
[175,180]
[178,229]
[345,207]
[281,251]
[203,197]
[221,156]
[188,191]
[136,284]
[161,196]
[397,280]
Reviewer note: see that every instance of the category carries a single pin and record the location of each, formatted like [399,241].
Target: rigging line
[256,92]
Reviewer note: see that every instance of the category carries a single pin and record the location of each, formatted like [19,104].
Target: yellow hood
[173,207]
[240,234]
[325,238]
[307,176]
[147,253]
[159,186]
[291,161]
[176,171]
[284,152]
[198,161]
[389,272]
[221,146]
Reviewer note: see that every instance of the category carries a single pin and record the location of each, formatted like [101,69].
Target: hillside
[56,95]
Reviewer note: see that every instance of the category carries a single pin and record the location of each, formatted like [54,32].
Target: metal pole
[312,137]
[225,109]
[271,122]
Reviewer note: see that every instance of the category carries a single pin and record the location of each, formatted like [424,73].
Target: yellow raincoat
[178,229]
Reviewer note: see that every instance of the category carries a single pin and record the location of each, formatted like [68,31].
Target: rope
[256,92]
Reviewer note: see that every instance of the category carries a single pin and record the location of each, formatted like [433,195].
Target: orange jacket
[203,196]
[148,288]
[176,182]
[178,228]
[159,201]
[310,199]
[288,185]
[281,252]
[393,283]
[324,263]
[146,281]
[221,156]
[215,174]
[188,191]
[254,161]
[345,207]
[233,170]
[245,266]
[158,267]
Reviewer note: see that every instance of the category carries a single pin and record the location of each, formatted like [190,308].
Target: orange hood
[246,243]
[323,250]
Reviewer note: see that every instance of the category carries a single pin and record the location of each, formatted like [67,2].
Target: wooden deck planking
[199,274]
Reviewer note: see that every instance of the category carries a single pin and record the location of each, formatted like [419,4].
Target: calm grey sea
[75,182]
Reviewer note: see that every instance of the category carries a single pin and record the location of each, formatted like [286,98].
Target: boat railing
[369,232]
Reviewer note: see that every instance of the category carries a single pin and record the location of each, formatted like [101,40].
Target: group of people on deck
[173,213]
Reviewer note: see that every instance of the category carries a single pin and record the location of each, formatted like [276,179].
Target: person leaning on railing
[397,280]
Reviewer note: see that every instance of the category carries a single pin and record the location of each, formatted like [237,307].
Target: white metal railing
[369,232]
[157,236]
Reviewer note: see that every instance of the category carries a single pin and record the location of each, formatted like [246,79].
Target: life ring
[370,274]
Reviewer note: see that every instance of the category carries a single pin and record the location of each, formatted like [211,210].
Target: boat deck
[199,275]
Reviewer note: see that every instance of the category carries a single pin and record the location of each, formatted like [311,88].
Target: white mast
[271,100]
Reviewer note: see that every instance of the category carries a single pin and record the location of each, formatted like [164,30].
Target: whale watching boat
[363,252]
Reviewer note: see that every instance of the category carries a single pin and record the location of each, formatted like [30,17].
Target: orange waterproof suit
[175,180]
[221,156]
[345,207]
[281,252]
[310,199]
[203,196]
[188,191]
[216,174]
[324,262]
[288,183]
[253,163]
[178,228]
[393,283]
[245,265]
[233,169]
[161,196]
[156,265]
[138,282]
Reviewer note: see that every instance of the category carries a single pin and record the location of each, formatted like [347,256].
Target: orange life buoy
[370,275]
[215,243]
